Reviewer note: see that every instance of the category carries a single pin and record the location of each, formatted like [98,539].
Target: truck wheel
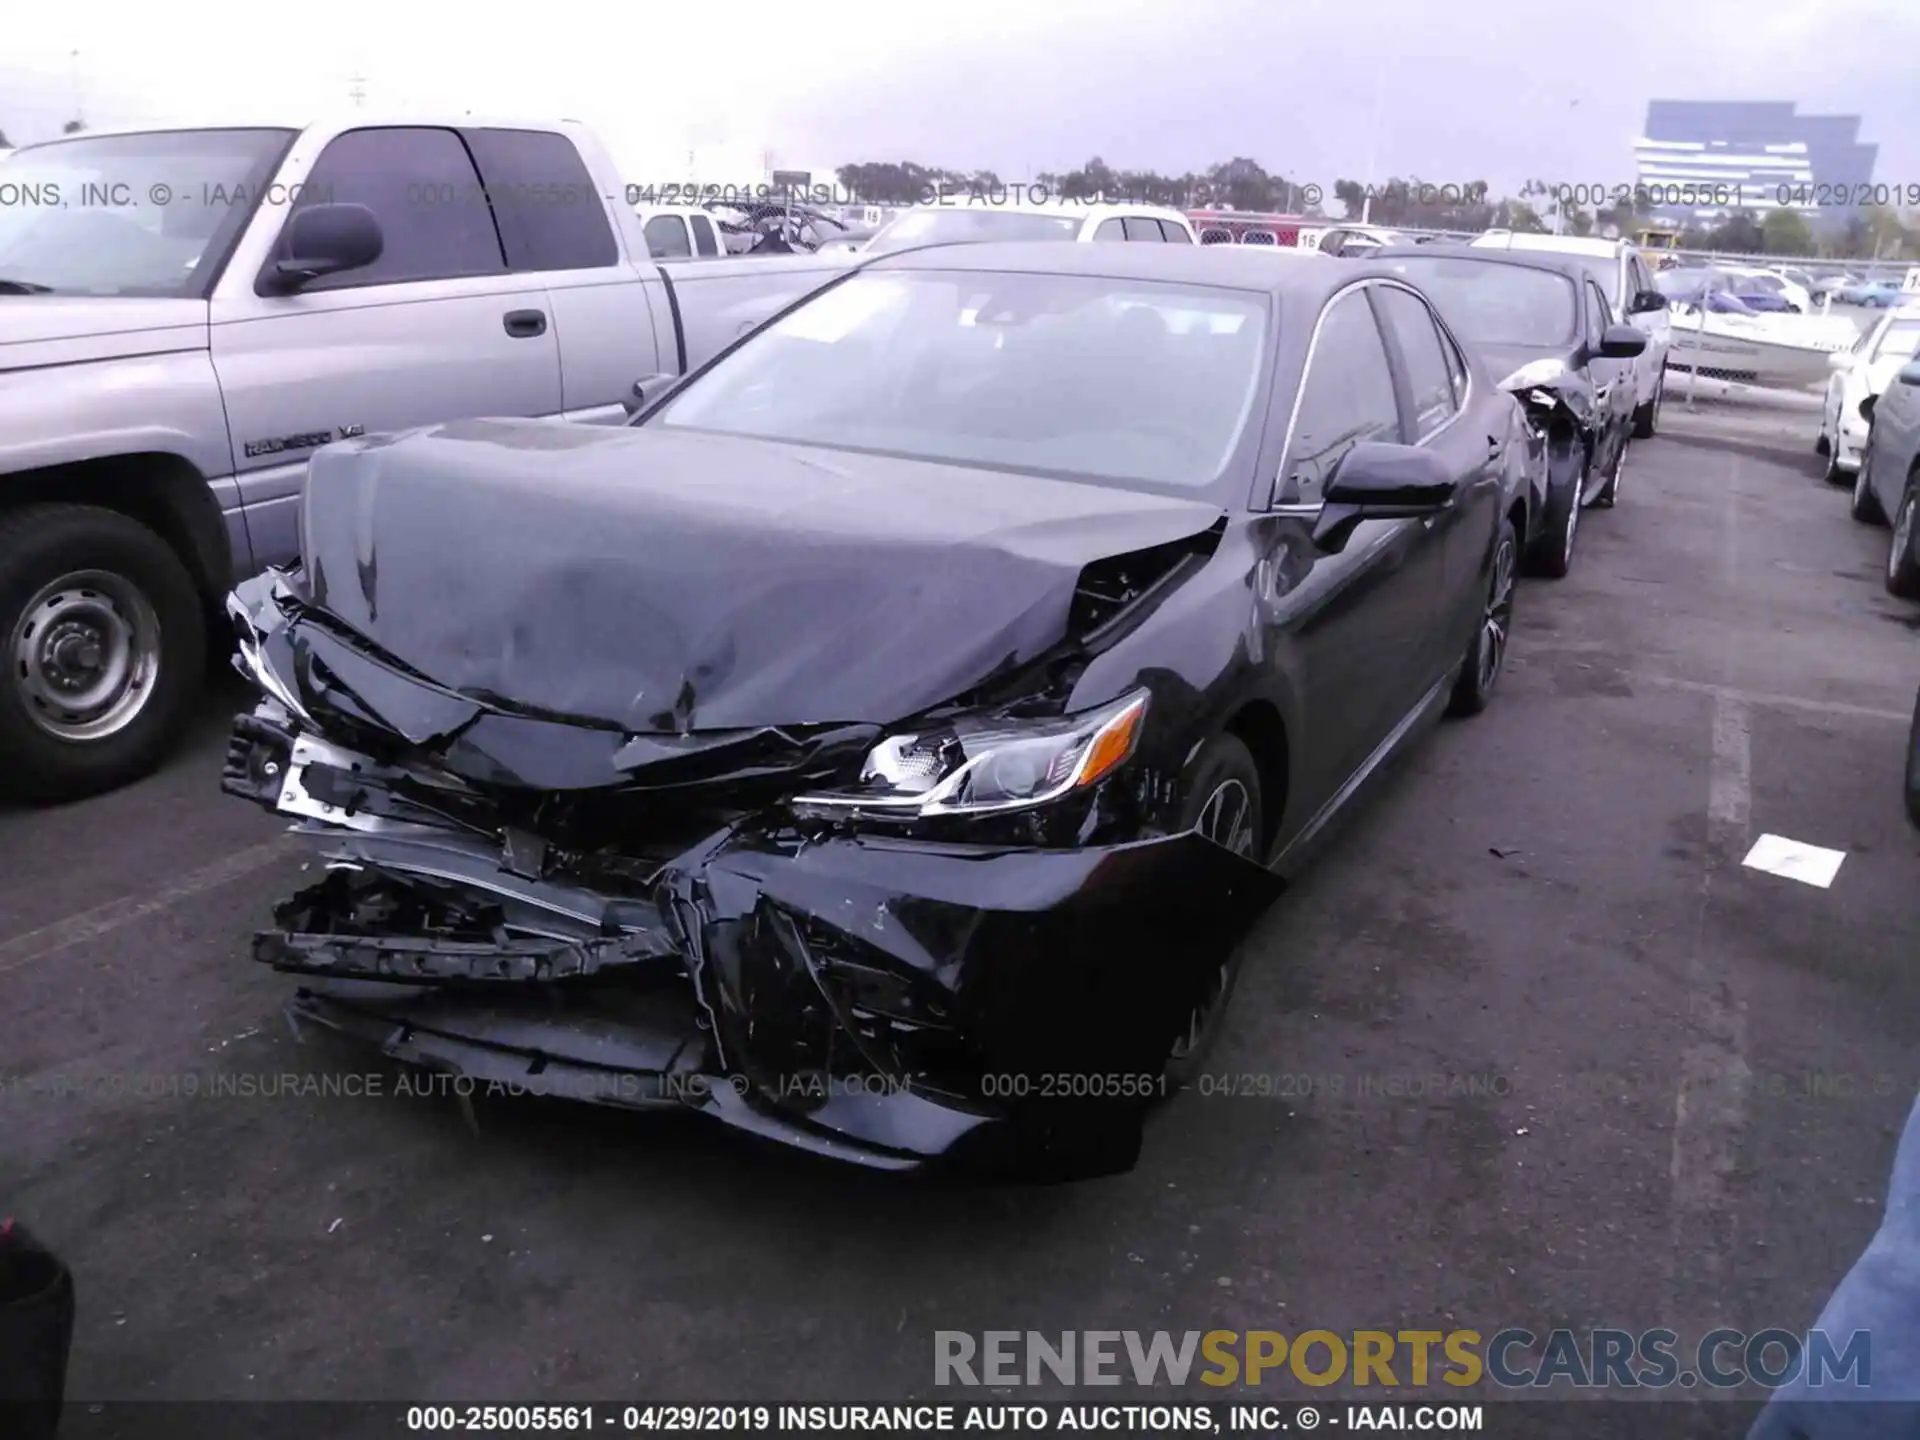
[105,646]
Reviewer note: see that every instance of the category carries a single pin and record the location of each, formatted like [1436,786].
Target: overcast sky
[1554,91]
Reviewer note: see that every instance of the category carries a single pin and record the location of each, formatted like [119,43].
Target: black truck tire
[105,645]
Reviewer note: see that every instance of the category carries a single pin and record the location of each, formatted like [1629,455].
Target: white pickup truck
[186,315]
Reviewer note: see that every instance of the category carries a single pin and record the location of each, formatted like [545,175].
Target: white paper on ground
[1810,864]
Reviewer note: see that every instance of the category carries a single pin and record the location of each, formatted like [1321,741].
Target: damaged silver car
[883,744]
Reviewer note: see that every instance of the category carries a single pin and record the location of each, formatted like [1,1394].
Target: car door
[435,329]
[1613,393]
[1355,621]
[1453,422]
[557,230]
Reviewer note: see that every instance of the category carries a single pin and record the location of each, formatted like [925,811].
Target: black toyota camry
[1545,329]
[885,741]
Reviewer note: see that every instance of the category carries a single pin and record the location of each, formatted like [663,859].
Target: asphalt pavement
[1528,1045]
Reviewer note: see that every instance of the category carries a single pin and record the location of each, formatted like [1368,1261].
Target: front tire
[1486,658]
[1903,565]
[1224,804]
[1913,768]
[105,646]
[1551,554]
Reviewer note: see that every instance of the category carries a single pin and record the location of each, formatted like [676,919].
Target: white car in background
[979,221]
[1625,277]
[1865,370]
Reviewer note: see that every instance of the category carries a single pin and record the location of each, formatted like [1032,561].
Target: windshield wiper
[23,287]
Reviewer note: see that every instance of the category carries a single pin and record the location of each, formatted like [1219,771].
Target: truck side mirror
[322,240]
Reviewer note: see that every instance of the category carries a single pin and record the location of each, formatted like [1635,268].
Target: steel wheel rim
[86,654]
[1902,535]
[1498,619]
[1227,820]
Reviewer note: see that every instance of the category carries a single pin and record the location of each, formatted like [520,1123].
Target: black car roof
[1574,267]
[1302,275]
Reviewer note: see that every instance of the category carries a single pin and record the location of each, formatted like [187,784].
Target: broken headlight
[254,665]
[988,766]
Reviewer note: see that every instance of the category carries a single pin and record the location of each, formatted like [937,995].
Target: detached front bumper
[878,1000]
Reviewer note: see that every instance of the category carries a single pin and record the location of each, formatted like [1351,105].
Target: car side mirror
[649,390]
[1866,408]
[1646,302]
[1379,481]
[1910,373]
[323,240]
[1621,342]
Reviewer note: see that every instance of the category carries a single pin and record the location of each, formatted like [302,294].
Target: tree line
[1244,184]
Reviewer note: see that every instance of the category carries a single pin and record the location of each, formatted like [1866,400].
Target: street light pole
[1373,137]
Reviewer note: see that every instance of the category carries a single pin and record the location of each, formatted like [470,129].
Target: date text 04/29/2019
[921,1419]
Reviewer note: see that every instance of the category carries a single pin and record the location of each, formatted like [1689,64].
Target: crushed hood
[661,581]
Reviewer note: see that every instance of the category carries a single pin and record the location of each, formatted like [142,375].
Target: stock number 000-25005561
[631,1419]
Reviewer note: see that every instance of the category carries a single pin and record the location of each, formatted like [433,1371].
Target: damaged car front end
[963,927]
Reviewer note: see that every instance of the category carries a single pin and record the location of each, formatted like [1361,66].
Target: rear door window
[1174,233]
[1428,376]
[1138,227]
[552,216]
[1110,230]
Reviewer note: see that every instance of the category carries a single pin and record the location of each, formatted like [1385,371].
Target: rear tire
[1646,418]
[105,646]
[1486,657]
[1610,492]
[1223,795]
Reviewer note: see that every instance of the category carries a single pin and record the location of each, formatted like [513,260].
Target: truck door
[435,329]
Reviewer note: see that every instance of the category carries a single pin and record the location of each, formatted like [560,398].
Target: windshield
[1899,341]
[1069,375]
[1493,304]
[147,214]
[925,227]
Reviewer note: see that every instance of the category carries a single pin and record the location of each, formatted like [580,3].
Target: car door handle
[524,324]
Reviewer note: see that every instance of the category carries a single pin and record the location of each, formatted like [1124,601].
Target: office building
[1761,153]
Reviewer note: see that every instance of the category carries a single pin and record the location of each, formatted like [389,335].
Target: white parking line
[1710,1109]
[115,914]
[1762,699]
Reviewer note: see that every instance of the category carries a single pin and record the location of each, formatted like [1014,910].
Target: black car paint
[602,881]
